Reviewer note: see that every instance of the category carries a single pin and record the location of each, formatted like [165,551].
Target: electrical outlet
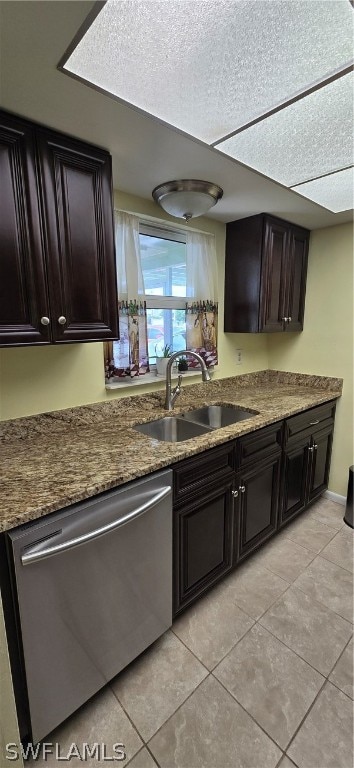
[238,356]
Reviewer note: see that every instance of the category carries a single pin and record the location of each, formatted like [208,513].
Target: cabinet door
[296,274]
[76,184]
[258,504]
[23,298]
[320,462]
[203,543]
[273,280]
[294,479]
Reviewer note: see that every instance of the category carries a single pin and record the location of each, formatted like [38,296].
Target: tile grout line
[233,698]
[327,680]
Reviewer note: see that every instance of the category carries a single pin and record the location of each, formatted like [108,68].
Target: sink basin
[172,429]
[217,416]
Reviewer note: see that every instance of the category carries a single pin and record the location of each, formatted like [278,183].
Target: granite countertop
[55,459]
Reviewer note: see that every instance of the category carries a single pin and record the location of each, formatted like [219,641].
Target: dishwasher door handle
[34,557]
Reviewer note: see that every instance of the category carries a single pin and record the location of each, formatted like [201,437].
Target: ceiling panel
[209,66]
[334,192]
[309,138]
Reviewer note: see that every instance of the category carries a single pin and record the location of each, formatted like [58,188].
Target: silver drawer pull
[313,423]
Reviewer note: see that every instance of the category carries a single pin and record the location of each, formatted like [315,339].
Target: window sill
[152,378]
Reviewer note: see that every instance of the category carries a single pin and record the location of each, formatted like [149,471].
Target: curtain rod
[163,223]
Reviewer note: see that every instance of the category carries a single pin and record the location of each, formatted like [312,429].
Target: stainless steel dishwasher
[94,589]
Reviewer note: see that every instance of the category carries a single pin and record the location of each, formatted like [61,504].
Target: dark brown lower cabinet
[305,471]
[203,542]
[230,499]
[256,505]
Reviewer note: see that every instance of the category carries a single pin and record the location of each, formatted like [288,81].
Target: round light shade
[187,198]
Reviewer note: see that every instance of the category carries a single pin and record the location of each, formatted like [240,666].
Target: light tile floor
[257,674]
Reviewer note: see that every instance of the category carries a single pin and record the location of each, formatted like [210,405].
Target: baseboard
[335,497]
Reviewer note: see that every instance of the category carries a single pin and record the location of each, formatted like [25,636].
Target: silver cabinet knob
[61,320]
[311,449]
[315,447]
[242,488]
[289,319]
[45,320]
[285,319]
[235,494]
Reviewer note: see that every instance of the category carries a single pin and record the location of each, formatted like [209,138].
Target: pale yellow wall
[325,346]
[39,379]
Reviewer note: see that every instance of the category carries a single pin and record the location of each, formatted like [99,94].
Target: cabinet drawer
[193,474]
[311,420]
[258,445]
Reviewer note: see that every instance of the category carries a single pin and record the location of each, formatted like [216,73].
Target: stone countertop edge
[91,449]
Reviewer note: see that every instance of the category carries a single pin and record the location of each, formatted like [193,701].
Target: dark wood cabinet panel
[259,445]
[79,233]
[307,457]
[321,460]
[265,275]
[295,480]
[257,508]
[57,258]
[191,476]
[23,296]
[273,278]
[203,543]
[296,282]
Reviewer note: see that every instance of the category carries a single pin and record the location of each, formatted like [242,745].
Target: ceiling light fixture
[187,198]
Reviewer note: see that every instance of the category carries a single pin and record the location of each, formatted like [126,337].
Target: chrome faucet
[171,395]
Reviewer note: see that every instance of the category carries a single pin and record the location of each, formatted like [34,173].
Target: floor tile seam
[325,557]
[190,651]
[308,548]
[144,746]
[153,756]
[308,711]
[301,589]
[233,697]
[296,652]
[267,568]
[233,647]
[279,597]
[315,516]
[342,567]
[129,718]
[147,743]
[334,666]
[322,605]
[327,680]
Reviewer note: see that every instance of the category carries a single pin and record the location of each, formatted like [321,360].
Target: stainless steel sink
[172,429]
[217,416]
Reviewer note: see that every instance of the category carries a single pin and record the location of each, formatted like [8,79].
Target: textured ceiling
[145,152]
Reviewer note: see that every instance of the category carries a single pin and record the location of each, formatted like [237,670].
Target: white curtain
[202,275]
[130,275]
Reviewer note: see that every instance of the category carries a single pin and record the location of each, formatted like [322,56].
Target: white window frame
[163,302]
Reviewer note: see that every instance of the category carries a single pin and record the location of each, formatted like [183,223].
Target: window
[163,262]
[167,288]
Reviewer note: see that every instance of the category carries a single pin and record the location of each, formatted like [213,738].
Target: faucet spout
[172,395]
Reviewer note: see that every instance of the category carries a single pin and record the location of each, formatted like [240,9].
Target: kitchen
[36,380]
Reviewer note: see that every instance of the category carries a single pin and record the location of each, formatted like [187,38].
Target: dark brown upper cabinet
[265,275]
[57,258]
[23,294]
